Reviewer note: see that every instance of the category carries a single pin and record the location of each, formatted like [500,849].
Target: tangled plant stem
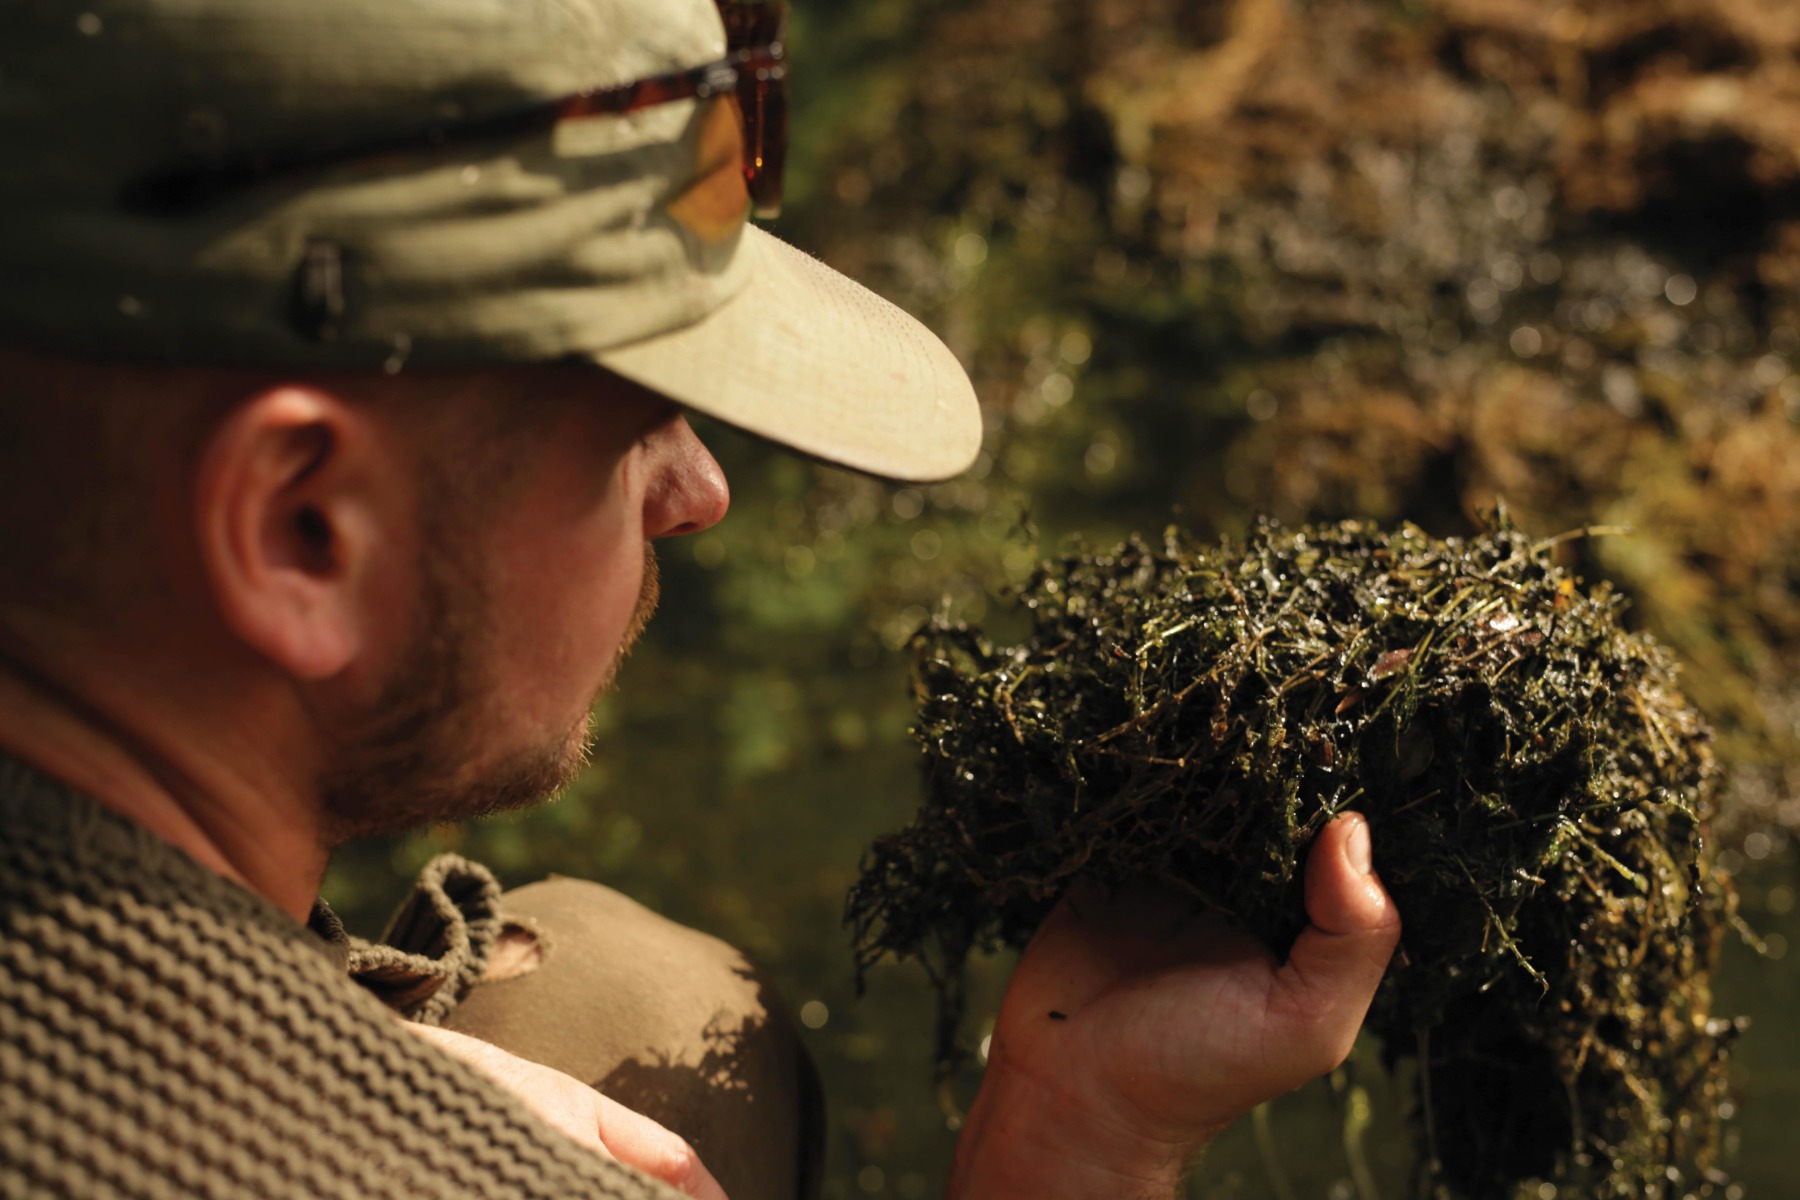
[1195,714]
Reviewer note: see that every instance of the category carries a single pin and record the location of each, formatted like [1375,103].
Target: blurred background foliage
[1210,259]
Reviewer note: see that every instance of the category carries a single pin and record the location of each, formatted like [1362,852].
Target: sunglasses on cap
[752,75]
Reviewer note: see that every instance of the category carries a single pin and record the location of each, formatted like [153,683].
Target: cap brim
[807,358]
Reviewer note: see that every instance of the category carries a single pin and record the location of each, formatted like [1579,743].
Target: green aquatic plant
[1193,714]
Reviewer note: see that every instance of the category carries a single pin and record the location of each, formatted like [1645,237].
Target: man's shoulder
[167,1029]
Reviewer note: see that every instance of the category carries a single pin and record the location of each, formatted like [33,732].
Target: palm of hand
[1159,1027]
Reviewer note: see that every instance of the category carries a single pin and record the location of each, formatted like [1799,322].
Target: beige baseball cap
[369,203]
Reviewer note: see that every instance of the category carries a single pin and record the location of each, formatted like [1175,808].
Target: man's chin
[384,803]
[571,760]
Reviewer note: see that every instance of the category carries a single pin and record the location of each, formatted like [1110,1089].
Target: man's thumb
[1334,967]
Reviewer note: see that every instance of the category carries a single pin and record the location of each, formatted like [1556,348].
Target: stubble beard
[411,760]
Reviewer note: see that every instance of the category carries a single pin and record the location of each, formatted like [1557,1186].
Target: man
[346,347]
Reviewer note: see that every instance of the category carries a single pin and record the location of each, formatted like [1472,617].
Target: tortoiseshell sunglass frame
[753,73]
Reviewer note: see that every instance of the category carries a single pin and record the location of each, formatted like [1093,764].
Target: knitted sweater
[166,1033]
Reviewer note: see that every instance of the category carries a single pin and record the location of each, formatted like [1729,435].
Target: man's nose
[687,491]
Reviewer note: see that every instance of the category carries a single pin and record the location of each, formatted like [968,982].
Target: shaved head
[79,446]
[86,448]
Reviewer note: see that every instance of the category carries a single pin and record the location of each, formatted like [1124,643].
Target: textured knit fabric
[165,1033]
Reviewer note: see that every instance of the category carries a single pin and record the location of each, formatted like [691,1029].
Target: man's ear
[300,500]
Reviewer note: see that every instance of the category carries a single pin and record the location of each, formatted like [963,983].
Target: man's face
[527,604]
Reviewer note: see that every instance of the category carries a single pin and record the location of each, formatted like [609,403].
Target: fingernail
[1357,848]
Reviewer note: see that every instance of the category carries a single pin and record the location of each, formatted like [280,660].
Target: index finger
[652,1148]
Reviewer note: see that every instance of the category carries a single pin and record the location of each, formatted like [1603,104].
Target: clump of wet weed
[1193,714]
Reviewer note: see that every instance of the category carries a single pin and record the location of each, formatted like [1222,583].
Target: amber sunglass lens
[765,140]
[758,30]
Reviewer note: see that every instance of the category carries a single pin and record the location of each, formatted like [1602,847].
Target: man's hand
[604,1126]
[1132,1033]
